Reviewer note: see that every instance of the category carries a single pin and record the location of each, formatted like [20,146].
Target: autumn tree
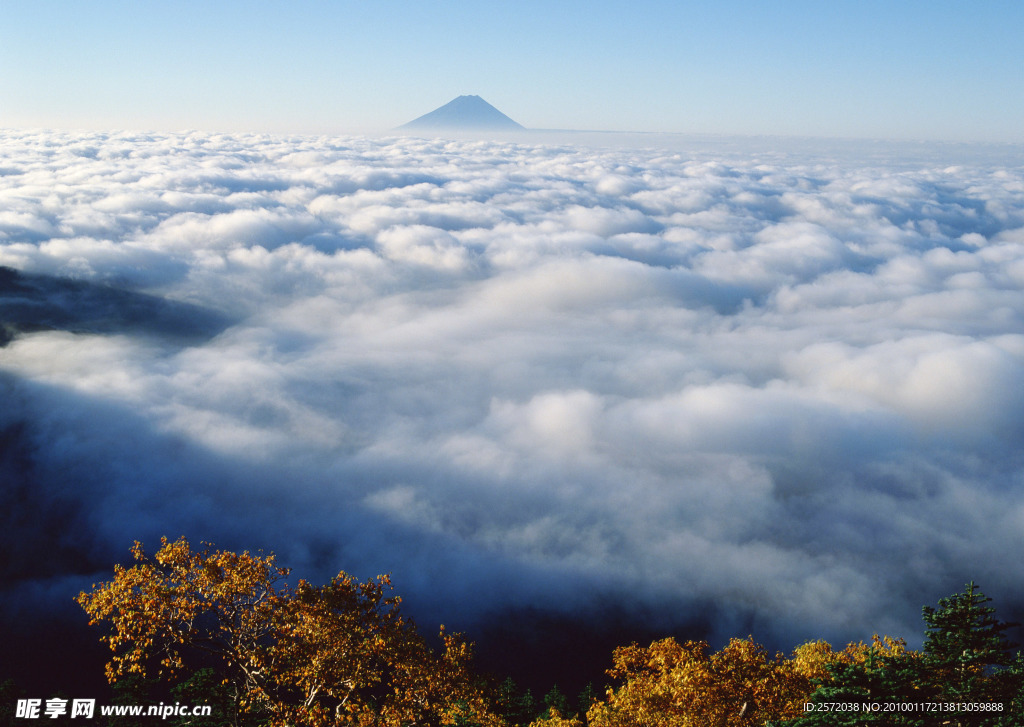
[221,604]
[338,654]
[865,686]
[683,685]
[815,660]
[553,718]
[965,663]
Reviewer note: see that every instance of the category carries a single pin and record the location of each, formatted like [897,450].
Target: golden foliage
[338,654]
[342,653]
[155,608]
[556,720]
[683,685]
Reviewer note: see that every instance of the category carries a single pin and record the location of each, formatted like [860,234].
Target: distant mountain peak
[464,112]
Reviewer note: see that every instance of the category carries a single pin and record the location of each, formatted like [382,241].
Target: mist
[736,386]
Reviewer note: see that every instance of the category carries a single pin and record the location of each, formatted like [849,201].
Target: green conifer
[965,648]
[555,700]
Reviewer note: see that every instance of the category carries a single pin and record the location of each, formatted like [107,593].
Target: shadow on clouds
[41,302]
[710,388]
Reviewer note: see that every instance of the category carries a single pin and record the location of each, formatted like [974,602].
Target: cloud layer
[773,392]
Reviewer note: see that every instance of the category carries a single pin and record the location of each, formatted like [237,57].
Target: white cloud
[770,383]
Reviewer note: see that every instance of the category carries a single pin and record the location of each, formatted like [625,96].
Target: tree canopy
[669,684]
[231,628]
[338,654]
[964,675]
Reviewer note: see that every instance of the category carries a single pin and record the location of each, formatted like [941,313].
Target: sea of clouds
[767,389]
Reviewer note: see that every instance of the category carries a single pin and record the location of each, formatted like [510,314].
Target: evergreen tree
[555,700]
[1010,687]
[506,698]
[865,688]
[133,689]
[965,663]
[515,707]
[205,688]
[587,696]
[527,707]
[965,645]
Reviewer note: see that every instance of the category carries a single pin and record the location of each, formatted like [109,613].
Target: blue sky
[917,70]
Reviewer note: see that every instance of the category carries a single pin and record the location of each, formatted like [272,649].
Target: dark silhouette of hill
[464,112]
[43,302]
